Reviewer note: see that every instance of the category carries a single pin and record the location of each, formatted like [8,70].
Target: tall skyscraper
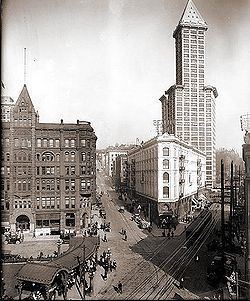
[188,107]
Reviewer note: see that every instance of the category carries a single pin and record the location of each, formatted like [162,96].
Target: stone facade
[48,172]
[167,173]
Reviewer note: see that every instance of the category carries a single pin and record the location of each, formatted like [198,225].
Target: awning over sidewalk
[38,273]
[44,273]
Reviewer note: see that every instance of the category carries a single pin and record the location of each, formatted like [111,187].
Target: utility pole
[231,204]
[84,280]
[222,206]
[222,213]
[237,285]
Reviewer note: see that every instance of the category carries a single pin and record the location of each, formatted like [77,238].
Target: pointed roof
[191,16]
[24,99]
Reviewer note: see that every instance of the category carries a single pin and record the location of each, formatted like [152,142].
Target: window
[73,170]
[83,184]
[166,163]
[37,185]
[73,202]
[45,143]
[7,157]
[51,143]
[70,219]
[66,184]
[67,202]
[72,156]
[83,142]
[165,151]
[73,185]
[83,170]
[72,143]
[57,143]
[66,156]
[24,185]
[83,157]
[165,177]
[166,192]
[66,142]
[58,184]
[67,170]
[16,142]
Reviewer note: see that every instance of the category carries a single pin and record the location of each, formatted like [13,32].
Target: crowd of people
[107,263]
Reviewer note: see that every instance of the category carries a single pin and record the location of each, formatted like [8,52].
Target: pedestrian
[114,264]
[182,282]
[125,237]
[197,258]
[105,238]
[172,234]
[119,285]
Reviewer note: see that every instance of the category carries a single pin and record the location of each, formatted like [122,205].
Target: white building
[7,103]
[166,174]
[188,107]
[112,154]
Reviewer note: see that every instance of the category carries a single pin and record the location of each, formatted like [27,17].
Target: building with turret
[188,107]
[48,173]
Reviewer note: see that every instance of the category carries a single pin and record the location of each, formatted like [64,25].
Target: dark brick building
[48,172]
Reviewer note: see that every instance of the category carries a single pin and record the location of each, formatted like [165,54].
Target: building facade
[246,158]
[188,107]
[121,173]
[7,103]
[166,174]
[48,172]
[112,154]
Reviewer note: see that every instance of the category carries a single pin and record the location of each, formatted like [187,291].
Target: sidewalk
[180,228]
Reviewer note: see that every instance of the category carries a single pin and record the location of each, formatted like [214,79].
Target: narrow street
[143,261]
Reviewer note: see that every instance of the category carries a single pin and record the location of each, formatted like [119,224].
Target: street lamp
[59,243]
[91,276]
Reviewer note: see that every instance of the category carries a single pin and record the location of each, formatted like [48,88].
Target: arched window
[83,157]
[38,157]
[19,185]
[165,151]
[166,192]
[67,156]
[7,157]
[24,185]
[38,142]
[48,156]
[165,177]
[166,164]
[73,156]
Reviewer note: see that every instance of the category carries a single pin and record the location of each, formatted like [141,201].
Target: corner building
[166,174]
[188,107]
[48,172]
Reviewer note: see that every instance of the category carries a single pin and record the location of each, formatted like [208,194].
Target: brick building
[48,172]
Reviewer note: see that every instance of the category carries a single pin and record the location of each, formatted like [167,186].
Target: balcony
[182,181]
[182,168]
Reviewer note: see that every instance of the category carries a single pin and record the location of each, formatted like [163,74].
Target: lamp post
[91,277]
[59,243]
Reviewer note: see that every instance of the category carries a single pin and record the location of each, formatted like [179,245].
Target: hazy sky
[109,62]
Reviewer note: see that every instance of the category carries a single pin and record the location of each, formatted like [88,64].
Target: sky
[109,62]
